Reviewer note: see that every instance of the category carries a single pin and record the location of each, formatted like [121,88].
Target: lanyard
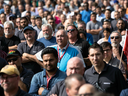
[62,54]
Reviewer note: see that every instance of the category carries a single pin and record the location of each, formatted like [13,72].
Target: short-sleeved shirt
[49,42]
[91,25]
[109,80]
[24,48]
[14,40]
[20,34]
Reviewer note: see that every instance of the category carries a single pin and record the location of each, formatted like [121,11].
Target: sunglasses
[71,30]
[116,37]
[14,59]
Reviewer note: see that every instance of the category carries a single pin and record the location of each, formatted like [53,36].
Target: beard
[46,35]
[7,33]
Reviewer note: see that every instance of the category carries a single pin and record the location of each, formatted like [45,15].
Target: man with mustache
[42,82]
[47,38]
[9,78]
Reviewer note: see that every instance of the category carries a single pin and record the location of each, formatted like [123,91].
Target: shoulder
[124,92]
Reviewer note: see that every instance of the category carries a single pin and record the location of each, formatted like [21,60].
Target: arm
[12,47]
[94,31]
[22,86]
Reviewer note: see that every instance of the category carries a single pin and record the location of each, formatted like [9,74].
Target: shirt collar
[64,47]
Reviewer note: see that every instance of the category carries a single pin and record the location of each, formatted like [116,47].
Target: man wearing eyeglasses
[9,79]
[14,58]
[116,38]
[104,77]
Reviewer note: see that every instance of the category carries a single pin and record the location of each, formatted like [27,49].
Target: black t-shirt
[14,40]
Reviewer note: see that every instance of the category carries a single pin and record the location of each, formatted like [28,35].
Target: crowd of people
[63,48]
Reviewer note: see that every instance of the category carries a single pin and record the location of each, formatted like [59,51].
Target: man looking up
[42,82]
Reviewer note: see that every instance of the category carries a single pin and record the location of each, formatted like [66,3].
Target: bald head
[87,88]
[75,65]
[67,22]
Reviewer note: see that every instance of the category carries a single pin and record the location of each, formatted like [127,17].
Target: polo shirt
[22,93]
[40,80]
[109,80]
[24,48]
[71,51]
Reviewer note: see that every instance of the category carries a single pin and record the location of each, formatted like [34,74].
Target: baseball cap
[12,16]
[13,52]
[36,17]
[10,70]
[28,28]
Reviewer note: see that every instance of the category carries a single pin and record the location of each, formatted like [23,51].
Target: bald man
[74,65]
[87,89]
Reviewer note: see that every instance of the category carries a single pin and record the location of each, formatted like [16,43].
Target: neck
[39,26]
[107,18]
[107,59]
[94,21]
[49,37]
[50,74]
[62,46]
[72,40]
[30,43]
[47,5]
[120,30]
[99,69]
[8,36]
[12,92]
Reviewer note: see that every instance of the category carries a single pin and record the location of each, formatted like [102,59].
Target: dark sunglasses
[116,37]
[14,59]
[12,18]
[71,30]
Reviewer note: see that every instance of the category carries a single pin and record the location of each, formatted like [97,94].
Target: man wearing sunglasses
[14,58]
[116,38]
[9,80]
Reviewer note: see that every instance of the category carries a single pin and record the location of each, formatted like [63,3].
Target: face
[47,33]
[75,85]
[82,36]
[8,30]
[50,62]
[106,25]
[78,17]
[120,12]
[93,17]
[33,20]
[107,52]
[61,38]
[38,22]
[7,9]
[9,82]
[106,34]
[14,60]
[23,23]
[29,35]
[18,22]
[96,57]
[120,25]
[51,22]
[107,14]
[41,13]
[116,15]
[3,17]
[71,32]
[115,39]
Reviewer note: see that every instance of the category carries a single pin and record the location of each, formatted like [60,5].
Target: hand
[53,95]
[41,89]
[25,55]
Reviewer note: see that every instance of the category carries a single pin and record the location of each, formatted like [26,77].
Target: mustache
[4,83]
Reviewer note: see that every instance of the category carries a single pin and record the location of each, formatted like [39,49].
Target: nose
[95,57]
[73,71]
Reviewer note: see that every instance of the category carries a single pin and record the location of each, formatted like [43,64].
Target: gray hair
[9,23]
[47,25]
[116,32]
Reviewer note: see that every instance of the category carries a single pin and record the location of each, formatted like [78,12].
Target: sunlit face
[106,34]
[50,62]
[47,32]
[29,35]
[9,82]
[8,30]
[96,57]
[107,52]
[72,32]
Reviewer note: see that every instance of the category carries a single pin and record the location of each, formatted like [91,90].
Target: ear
[67,91]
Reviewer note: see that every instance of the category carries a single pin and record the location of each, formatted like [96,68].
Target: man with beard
[14,58]
[116,47]
[9,79]
[9,38]
[42,82]
[47,38]
[31,46]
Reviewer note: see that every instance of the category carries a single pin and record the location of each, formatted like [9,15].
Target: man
[14,58]
[99,13]
[51,21]
[103,76]
[7,11]
[42,82]
[82,25]
[73,83]
[38,21]
[122,12]
[116,47]
[109,59]
[23,22]
[87,89]
[94,27]
[19,10]
[31,46]
[13,19]
[86,13]
[74,39]
[64,49]
[2,19]
[48,7]
[18,25]
[74,66]
[9,38]
[47,38]
[9,80]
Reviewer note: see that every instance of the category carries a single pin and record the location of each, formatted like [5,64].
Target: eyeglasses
[14,59]
[116,37]
[107,50]
[71,30]
[7,77]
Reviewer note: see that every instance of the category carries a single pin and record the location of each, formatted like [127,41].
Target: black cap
[28,28]
[36,17]
[106,20]
[93,13]
[12,16]
[13,52]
